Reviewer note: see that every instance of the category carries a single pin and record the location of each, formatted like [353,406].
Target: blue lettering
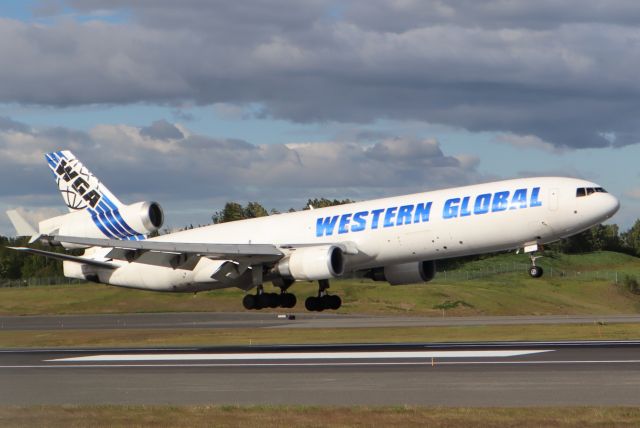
[451,208]
[519,199]
[404,215]
[344,223]
[325,226]
[483,202]
[500,201]
[464,208]
[375,217]
[388,216]
[359,223]
[534,197]
[422,212]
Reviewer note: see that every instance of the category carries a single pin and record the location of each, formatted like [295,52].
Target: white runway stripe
[305,355]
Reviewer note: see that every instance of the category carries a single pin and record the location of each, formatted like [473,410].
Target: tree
[631,239]
[253,210]
[599,238]
[324,202]
[232,211]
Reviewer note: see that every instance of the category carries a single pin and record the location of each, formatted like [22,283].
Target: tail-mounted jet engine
[132,222]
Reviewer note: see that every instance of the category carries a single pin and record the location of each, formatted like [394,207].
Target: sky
[199,102]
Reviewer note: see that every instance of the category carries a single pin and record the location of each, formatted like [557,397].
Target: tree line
[16,265]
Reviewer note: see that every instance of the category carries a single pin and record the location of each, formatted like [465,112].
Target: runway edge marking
[302,355]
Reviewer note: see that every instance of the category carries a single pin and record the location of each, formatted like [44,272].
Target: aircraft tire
[535,271]
[313,304]
[262,301]
[288,300]
[334,302]
[273,300]
[249,301]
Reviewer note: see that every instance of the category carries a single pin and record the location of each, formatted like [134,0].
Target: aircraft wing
[66,257]
[179,254]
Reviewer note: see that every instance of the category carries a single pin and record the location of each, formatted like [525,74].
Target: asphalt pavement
[464,374]
[280,320]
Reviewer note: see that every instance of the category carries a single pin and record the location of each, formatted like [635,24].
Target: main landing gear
[262,300]
[535,271]
[323,300]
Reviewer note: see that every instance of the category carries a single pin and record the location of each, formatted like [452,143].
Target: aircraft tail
[95,212]
[79,188]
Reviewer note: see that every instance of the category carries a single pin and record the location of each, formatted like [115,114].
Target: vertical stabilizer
[82,191]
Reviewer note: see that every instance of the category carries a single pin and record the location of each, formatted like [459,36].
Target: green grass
[570,286]
[317,416]
[270,336]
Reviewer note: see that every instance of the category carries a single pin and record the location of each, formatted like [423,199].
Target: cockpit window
[585,191]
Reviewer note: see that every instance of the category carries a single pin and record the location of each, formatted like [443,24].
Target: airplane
[397,239]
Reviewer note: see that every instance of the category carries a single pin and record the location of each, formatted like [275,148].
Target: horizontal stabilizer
[21,224]
[66,257]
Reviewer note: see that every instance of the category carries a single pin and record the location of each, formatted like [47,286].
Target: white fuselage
[423,226]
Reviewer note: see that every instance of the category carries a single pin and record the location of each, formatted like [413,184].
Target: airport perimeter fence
[507,268]
[37,282]
[457,275]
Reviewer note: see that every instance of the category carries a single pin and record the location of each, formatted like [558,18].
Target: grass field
[306,416]
[571,285]
[238,336]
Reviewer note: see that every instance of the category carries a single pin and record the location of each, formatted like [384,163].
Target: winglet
[21,224]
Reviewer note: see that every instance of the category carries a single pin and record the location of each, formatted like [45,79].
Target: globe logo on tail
[76,184]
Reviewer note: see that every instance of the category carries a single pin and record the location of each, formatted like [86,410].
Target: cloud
[161,130]
[560,72]
[201,172]
[527,142]
[633,193]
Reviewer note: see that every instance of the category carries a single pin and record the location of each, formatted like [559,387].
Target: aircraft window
[590,190]
[581,192]
[600,190]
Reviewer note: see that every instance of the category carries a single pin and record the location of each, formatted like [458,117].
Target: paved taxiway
[270,320]
[498,374]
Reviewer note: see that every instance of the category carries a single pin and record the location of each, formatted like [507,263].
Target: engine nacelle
[405,273]
[127,222]
[312,263]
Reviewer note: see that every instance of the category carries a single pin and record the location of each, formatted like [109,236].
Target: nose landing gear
[535,271]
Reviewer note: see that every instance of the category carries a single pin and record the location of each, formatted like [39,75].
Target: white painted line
[304,355]
[427,364]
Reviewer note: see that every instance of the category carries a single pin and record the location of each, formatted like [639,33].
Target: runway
[464,374]
[304,320]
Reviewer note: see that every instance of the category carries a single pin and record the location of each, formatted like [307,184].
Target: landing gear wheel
[250,301]
[535,271]
[313,304]
[287,300]
[323,300]
[334,302]
[273,300]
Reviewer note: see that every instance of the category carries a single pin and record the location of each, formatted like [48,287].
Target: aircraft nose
[611,205]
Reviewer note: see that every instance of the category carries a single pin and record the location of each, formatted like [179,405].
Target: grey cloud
[564,72]
[162,130]
[8,124]
[198,168]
